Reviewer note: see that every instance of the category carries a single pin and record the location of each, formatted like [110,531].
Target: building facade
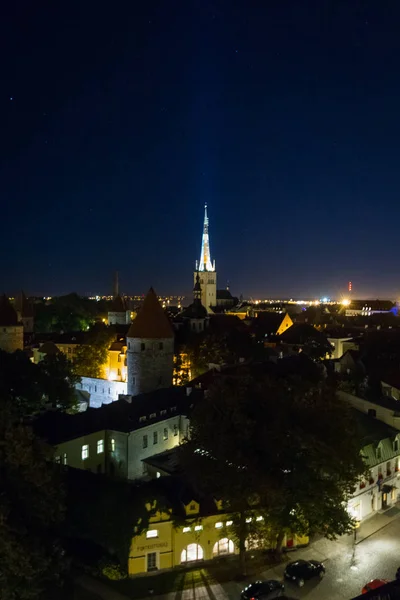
[11,330]
[206,269]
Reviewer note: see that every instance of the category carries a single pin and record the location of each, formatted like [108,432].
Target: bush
[113,571]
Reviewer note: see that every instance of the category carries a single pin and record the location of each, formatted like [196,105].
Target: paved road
[348,566]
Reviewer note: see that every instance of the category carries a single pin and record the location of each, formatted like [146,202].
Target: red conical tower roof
[151,321]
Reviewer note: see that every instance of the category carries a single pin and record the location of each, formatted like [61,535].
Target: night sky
[118,120]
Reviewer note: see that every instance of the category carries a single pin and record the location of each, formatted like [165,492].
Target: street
[348,566]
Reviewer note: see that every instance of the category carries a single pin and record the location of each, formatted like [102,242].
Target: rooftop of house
[224,295]
[124,416]
[49,348]
[300,333]
[167,461]
[392,379]
[151,321]
[69,337]
[118,304]
[370,429]
[8,315]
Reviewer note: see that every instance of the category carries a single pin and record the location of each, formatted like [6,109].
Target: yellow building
[199,538]
[115,368]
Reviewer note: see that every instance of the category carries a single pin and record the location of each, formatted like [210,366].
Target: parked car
[374,585]
[263,590]
[300,571]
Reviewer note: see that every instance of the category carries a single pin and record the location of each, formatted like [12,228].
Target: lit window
[198,527]
[100,446]
[158,474]
[57,459]
[152,415]
[64,458]
[260,519]
[85,451]
[142,419]
[228,523]
[186,529]
[249,520]
[218,525]
[152,533]
[112,444]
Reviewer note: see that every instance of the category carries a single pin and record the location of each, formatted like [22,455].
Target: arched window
[223,546]
[191,553]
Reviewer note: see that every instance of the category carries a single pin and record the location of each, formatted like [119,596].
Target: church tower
[206,270]
[150,353]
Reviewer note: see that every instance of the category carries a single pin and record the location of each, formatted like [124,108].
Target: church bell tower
[206,270]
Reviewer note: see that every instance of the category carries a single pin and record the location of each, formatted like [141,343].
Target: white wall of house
[101,391]
[386,415]
[340,346]
[154,439]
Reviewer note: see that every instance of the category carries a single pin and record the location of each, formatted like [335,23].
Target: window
[112,444]
[175,430]
[155,437]
[129,345]
[249,520]
[371,412]
[152,561]
[100,446]
[142,347]
[161,346]
[119,372]
[152,415]
[218,525]
[142,419]
[378,452]
[145,441]
[64,458]
[223,546]
[396,445]
[95,388]
[57,459]
[260,519]
[163,412]
[186,529]
[152,533]
[85,451]
[165,436]
[119,358]
[198,527]
[192,507]
[228,523]
[191,553]
[388,469]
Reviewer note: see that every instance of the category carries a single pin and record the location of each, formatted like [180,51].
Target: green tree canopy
[31,507]
[90,358]
[68,313]
[285,448]
[30,387]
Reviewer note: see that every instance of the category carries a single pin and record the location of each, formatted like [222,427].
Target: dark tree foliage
[30,387]
[107,512]
[68,313]
[90,359]
[286,448]
[31,507]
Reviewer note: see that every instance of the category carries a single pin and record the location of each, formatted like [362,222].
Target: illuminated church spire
[205,263]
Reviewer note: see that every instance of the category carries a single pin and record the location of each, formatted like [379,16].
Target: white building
[379,489]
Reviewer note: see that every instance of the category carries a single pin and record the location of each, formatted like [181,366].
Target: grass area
[180,579]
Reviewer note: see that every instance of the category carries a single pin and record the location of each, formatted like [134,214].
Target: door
[152,561]
[384,500]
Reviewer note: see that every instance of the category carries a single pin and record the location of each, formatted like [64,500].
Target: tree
[272,446]
[90,359]
[30,387]
[31,507]
[59,379]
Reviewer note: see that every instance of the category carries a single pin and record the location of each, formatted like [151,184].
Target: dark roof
[392,379]
[224,295]
[267,322]
[151,321]
[8,315]
[385,305]
[117,346]
[118,305]
[301,333]
[71,337]
[371,430]
[121,415]
[23,305]
[165,461]
[194,311]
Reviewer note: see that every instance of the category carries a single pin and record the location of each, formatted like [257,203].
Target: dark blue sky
[119,120]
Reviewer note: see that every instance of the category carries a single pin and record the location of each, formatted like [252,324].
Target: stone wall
[150,364]
[101,391]
[12,338]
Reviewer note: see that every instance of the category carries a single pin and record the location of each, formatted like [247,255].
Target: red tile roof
[151,321]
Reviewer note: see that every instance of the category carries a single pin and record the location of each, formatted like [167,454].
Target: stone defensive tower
[11,330]
[25,311]
[150,353]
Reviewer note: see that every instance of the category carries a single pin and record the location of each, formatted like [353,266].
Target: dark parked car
[302,570]
[263,590]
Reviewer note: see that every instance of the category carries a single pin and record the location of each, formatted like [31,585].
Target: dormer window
[378,453]
[396,445]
